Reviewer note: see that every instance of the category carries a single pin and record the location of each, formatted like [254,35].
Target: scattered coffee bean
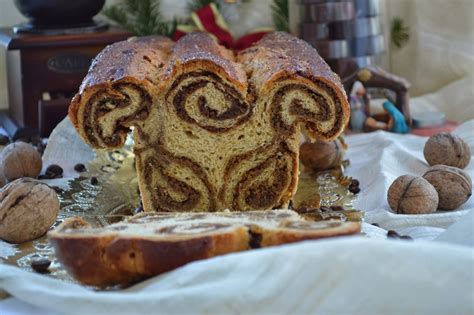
[54,171]
[44,176]
[41,265]
[355,182]
[57,189]
[393,234]
[376,224]
[337,208]
[94,181]
[406,237]
[4,140]
[79,167]
[354,190]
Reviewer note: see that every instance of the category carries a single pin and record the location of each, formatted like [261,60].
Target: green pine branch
[280,14]
[399,32]
[142,17]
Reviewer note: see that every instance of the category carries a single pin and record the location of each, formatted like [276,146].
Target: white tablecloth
[358,275]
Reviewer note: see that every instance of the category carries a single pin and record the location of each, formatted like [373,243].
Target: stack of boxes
[346,33]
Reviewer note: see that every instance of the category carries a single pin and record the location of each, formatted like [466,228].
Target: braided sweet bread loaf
[213,130]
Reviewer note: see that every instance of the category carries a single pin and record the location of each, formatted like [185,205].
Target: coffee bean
[41,265]
[337,208]
[57,189]
[393,234]
[94,181]
[355,182]
[44,176]
[376,224]
[406,237]
[79,167]
[4,140]
[354,190]
[54,171]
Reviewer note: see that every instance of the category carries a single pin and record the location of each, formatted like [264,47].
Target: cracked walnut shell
[410,194]
[454,186]
[447,149]
[28,208]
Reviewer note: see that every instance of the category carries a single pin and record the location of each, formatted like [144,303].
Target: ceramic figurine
[399,124]
[359,102]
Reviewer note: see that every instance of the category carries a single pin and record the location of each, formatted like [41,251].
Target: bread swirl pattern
[212,130]
[148,244]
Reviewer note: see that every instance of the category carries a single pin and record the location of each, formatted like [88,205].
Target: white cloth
[339,276]
[356,275]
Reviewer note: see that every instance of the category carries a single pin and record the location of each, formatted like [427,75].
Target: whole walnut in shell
[454,186]
[3,180]
[20,159]
[28,208]
[447,149]
[410,194]
[321,155]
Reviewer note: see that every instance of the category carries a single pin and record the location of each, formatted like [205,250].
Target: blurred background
[434,50]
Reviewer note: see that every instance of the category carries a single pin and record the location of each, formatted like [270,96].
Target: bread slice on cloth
[148,244]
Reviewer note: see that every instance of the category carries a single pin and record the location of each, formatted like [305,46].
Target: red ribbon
[208,19]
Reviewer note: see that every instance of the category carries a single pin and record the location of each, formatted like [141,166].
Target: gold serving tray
[116,196]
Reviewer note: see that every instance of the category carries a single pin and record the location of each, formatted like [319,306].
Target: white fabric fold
[370,275]
[336,276]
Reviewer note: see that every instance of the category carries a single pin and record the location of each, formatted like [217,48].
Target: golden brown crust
[212,130]
[107,257]
[143,58]
[109,260]
[198,51]
[279,56]
[140,61]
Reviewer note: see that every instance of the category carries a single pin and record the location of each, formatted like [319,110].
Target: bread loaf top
[143,58]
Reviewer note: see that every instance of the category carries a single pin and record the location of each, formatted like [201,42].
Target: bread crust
[122,259]
[191,100]
[110,260]
[280,56]
[138,60]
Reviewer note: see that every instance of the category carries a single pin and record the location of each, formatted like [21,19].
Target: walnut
[20,159]
[322,155]
[447,149]
[28,208]
[3,181]
[454,186]
[410,194]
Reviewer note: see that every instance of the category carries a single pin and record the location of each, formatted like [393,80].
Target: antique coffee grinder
[47,58]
